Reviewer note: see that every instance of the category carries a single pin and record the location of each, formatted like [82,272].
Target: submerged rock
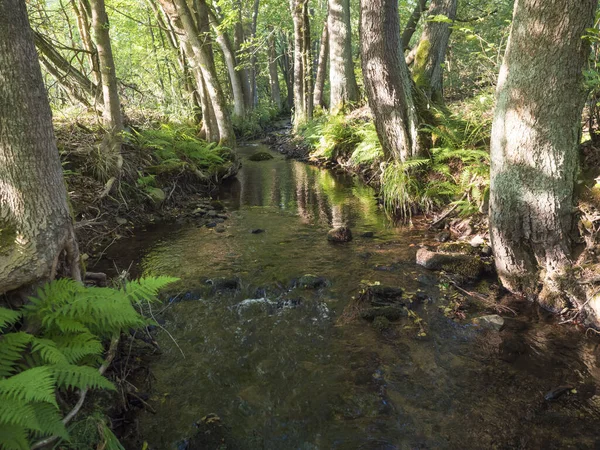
[257,231]
[309,281]
[340,234]
[368,234]
[261,156]
[493,321]
[391,313]
[223,283]
[467,266]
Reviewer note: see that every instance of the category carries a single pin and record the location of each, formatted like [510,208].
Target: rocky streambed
[280,338]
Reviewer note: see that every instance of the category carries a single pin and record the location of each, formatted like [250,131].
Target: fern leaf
[110,440]
[13,437]
[15,412]
[147,288]
[49,421]
[76,347]
[31,385]
[12,346]
[81,377]
[48,350]
[8,317]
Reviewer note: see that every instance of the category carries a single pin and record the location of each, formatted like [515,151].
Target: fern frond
[31,385]
[48,351]
[49,421]
[16,412]
[110,440]
[147,288]
[80,377]
[76,347]
[8,317]
[13,437]
[12,346]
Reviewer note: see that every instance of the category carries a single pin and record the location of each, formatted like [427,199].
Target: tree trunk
[83,12]
[253,74]
[61,69]
[112,117]
[318,98]
[430,55]
[534,149]
[342,81]
[413,21]
[202,59]
[302,63]
[273,75]
[239,103]
[35,221]
[387,81]
[238,40]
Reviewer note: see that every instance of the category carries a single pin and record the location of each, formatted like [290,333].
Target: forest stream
[271,357]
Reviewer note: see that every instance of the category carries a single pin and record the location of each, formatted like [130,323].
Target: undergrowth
[455,172]
[255,123]
[54,346]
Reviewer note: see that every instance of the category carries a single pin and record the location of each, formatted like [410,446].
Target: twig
[112,350]
[482,298]
[165,330]
[448,212]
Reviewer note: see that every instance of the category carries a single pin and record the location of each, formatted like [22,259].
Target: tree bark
[387,81]
[342,81]
[253,72]
[302,63]
[112,117]
[318,97]
[413,21]
[534,149]
[35,221]
[202,59]
[238,39]
[430,55]
[273,74]
[239,102]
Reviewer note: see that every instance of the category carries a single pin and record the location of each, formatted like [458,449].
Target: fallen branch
[482,298]
[448,212]
[112,350]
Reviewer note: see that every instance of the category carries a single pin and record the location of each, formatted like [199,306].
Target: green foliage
[369,148]
[457,171]
[177,148]
[63,354]
[254,124]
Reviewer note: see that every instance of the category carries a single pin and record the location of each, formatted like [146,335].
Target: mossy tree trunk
[430,56]
[387,80]
[342,81]
[35,221]
[534,149]
[411,25]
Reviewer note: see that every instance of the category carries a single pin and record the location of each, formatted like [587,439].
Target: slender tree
[430,55]
[273,73]
[35,221]
[302,63]
[342,81]
[411,25]
[318,97]
[387,79]
[535,138]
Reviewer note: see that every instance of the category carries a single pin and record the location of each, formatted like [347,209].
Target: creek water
[282,369]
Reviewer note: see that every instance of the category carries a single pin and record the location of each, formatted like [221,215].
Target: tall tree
[342,81]
[387,79]
[273,73]
[430,55]
[35,221]
[535,138]
[318,97]
[302,63]
[111,115]
[411,25]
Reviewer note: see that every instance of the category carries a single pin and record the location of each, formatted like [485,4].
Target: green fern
[64,354]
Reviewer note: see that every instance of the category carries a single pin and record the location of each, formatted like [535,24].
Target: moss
[8,233]
[419,76]
[470,268]
[459,247]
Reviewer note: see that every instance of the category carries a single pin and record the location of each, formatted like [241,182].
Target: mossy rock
[459,247]
[261,156]
[469,267]
[391,313]
[309,281]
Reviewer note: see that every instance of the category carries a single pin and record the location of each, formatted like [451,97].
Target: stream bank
[268,351]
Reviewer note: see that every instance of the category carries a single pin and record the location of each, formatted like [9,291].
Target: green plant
[58,348]
[369,148]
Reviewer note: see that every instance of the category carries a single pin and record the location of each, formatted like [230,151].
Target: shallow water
[283,370]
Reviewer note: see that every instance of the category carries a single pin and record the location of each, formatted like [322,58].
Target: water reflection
[316,196]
